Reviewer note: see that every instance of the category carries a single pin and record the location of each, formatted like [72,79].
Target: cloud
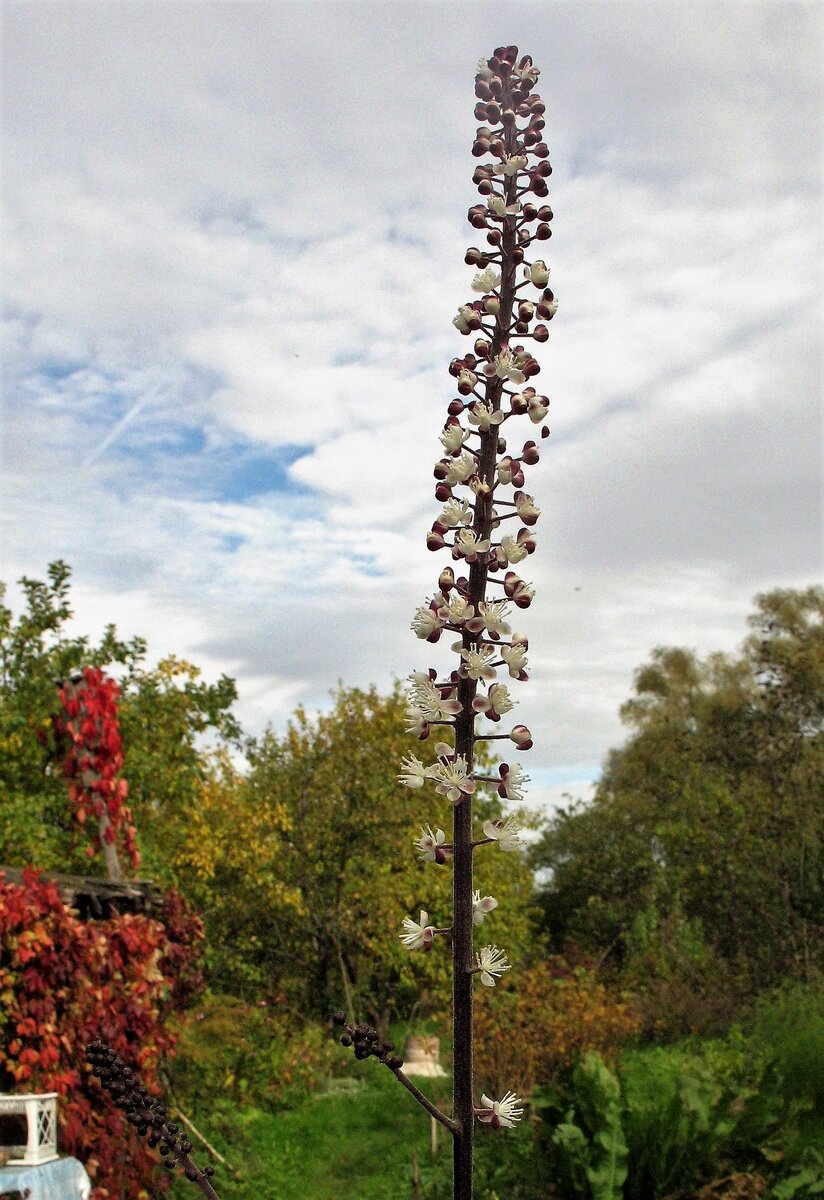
[234,248]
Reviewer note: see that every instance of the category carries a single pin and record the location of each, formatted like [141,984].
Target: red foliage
[95,758]
[63,982]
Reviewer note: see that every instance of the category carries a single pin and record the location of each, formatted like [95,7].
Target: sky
[234,238]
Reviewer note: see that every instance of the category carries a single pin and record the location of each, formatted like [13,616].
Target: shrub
[682,987]
[256,1054]
[789,1025]
[63,982]
[556,1014]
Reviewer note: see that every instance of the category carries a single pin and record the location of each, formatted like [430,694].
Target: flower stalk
[473,482]
[148,1115]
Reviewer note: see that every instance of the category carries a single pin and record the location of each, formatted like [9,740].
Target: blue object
[60,1179]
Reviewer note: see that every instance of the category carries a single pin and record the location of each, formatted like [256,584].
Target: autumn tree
[313,838]
[164,712]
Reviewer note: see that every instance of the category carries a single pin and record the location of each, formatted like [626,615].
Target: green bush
[680,1112]
[789,1025]
[591,1150]
[252,1055]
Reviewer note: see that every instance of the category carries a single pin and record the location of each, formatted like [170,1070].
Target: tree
[164,713]
[712,808]
[306,868]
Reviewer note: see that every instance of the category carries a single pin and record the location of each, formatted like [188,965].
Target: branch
[368,1044]
[433,1110]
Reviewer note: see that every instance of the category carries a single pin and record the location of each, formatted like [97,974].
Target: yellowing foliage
[532,1027]
[228,840]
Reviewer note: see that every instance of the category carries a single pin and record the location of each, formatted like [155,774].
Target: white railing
[40,1111]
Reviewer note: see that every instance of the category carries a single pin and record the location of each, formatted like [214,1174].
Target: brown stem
[433,1111]
[462,958]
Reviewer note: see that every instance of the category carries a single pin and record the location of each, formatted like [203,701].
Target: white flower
[468,545]
[511,550]
[462,321]
[466,380]
[525,506]
[521,736]
[513,781]
[552,305]
[418,724]
[419,934]
[505,833]
[518,590]
[455,512]
[413,772]
[527,72]
[486,281]
[434,706]
[500,1113]
[537,273]
[484,69]
[537,407]
[491,963]
[499,206]
[481,414]
[459,469]
[476,663]
[495,704]
[515,659]
[453,437]
[425,622]
[429,844]
[480,907]
[512,164]
[490,617]
[452,778]
[505,366]
[458,610]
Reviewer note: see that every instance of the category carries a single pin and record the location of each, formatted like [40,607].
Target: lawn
[356,1141]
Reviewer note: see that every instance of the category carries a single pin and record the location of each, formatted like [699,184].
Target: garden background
[234,243]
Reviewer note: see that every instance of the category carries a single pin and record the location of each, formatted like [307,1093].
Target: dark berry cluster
[146,1113]
[367,1042]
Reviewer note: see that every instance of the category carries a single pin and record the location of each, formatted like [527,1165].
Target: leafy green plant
[789,1025]
[590,1145]
[679,1115]
[803,1183]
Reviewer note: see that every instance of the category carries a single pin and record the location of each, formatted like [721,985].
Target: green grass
[355,1142]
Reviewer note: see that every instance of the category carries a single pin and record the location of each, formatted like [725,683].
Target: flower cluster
[147,1114]
[480,482]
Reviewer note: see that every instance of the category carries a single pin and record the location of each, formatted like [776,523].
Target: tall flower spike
[478,486]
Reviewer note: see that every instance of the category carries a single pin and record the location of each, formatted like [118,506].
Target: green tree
[339,839]
[712,809]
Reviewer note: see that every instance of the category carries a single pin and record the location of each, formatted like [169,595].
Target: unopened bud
[522,738]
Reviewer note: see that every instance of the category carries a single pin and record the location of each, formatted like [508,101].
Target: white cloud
[239,230]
